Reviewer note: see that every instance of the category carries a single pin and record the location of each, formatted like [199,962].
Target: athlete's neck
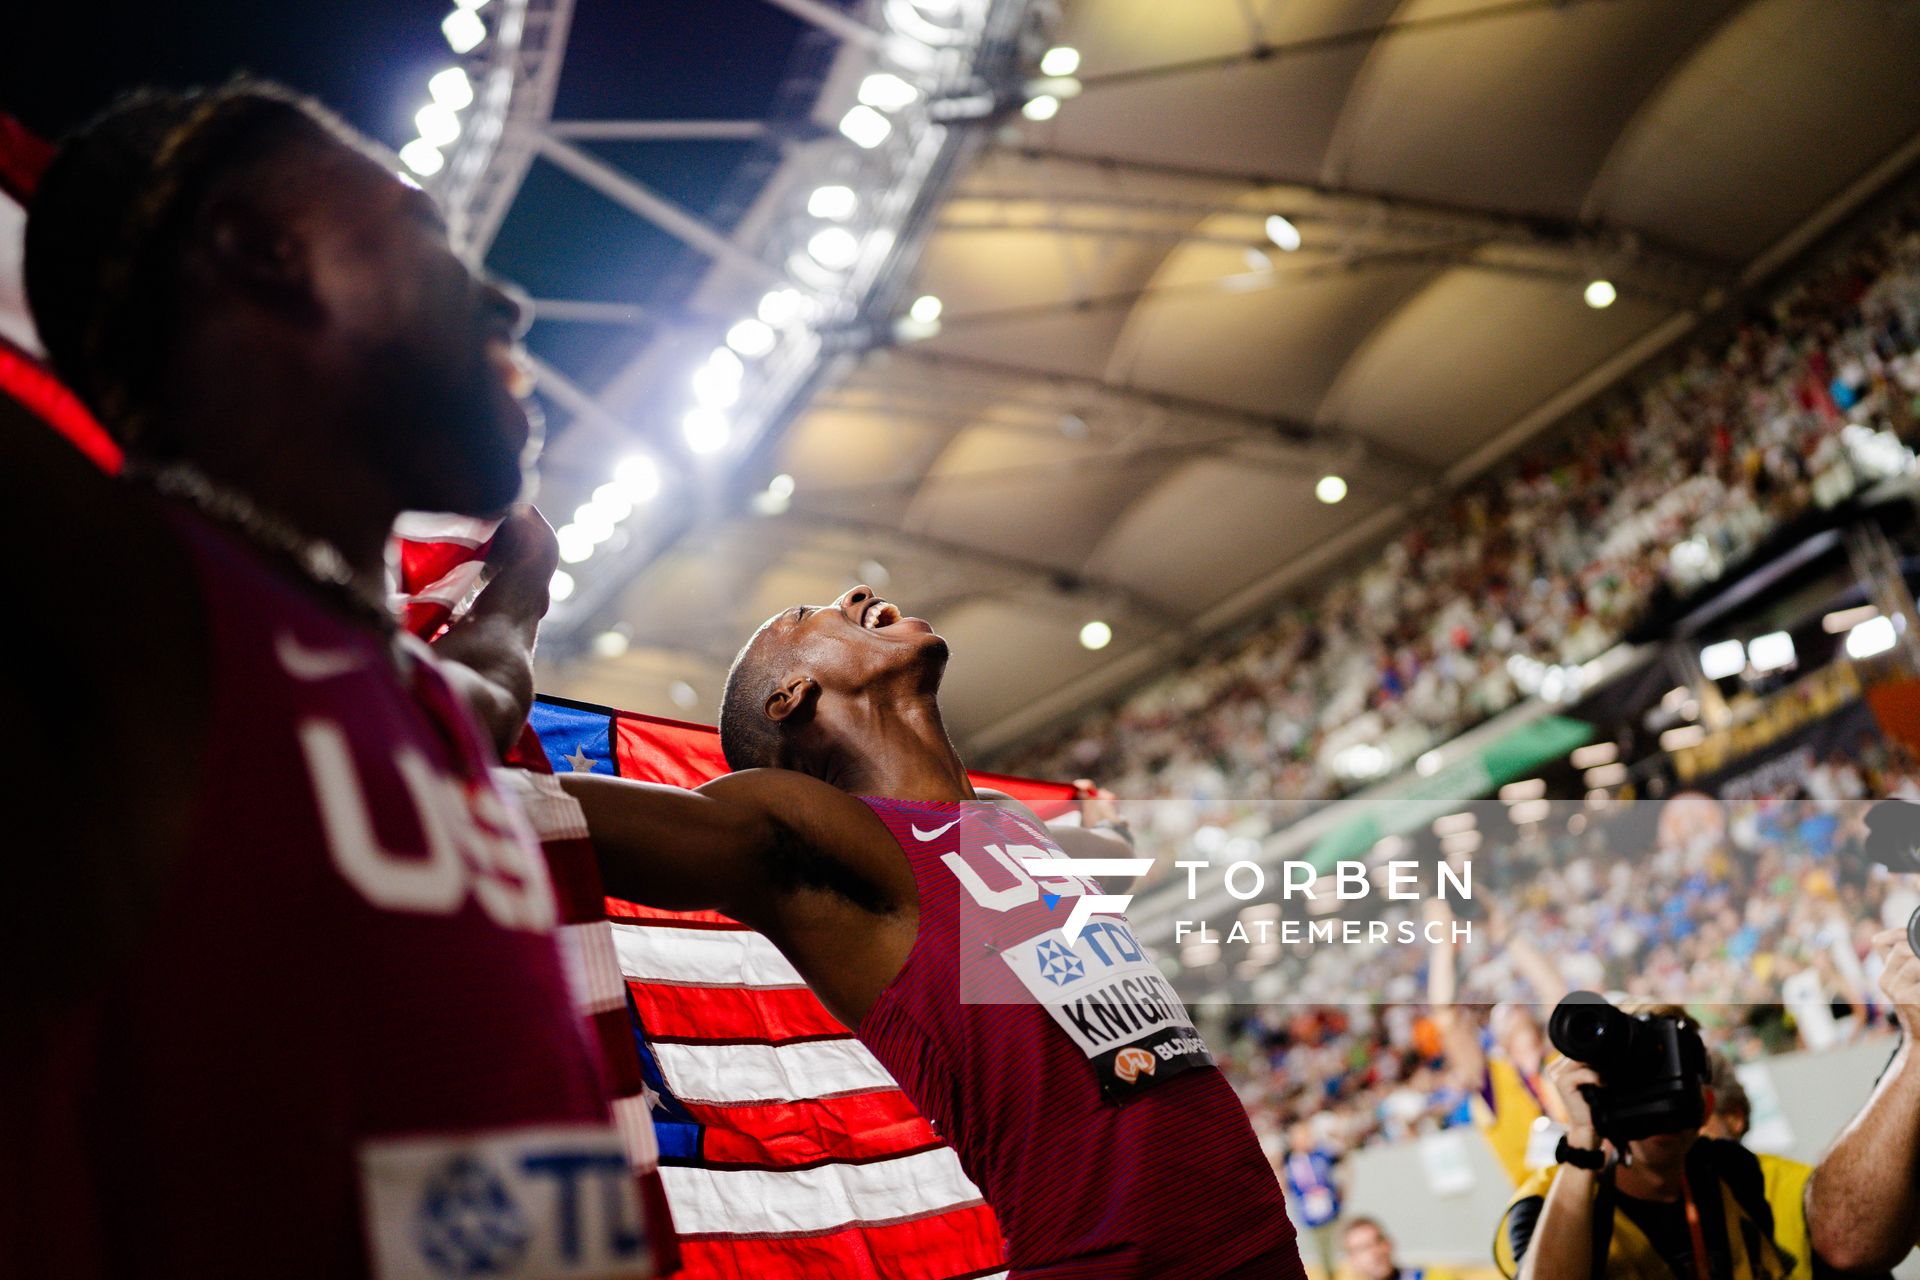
[897,749]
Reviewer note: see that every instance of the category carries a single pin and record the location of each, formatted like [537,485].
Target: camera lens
[1588,1029]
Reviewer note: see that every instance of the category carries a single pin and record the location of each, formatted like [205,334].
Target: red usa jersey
[1063,1068]
[344,1044]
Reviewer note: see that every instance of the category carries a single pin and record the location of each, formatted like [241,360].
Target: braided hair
[112,214]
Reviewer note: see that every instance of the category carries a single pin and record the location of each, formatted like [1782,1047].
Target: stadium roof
[1134,389]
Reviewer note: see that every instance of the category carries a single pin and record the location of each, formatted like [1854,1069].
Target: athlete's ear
[791,697]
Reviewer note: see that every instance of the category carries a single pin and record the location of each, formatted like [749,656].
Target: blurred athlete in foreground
[1062,1069]
[279,993]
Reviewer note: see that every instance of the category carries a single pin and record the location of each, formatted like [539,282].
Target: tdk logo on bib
[546,1202]
[1105,992]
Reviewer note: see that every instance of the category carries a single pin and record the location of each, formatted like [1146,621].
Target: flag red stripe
[774,1015]
[633,912]
[946,1246]
[776,1135]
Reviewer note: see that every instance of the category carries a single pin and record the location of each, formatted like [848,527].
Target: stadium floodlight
[451,89]
[464,30]
[612,499]
[1041,107]
[833,202]
[576,545]
[751,338]
[1872,637]
[470,4]
[1771,652]
[781,307]
[834,248]
[1061,60]
[438,125]
[1282,232]
[561,584]
[1600,294]
[1330,489]
[865,127]
[781,486]
[638,478]
[713,389]
[926,308]
[1841,621]
[706,430]
[684,695]
[594,520]
[885,91]
[610,644]
[422,157]
[1727,658]
[1096,635]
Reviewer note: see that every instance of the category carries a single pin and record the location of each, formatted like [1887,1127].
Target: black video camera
[1651,1067]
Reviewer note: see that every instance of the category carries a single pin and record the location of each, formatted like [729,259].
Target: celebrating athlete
[1027,1025]
[276,970]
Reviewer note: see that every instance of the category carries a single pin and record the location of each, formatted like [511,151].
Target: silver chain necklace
[316,559]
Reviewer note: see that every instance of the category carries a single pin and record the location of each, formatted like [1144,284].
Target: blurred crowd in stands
[1755,913]
[1505,587]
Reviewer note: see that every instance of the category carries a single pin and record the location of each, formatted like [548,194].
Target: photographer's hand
[1863,1202]
[1566,1077]
[1562,1243]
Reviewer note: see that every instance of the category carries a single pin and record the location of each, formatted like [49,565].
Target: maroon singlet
[1067,1076]
[344,1045]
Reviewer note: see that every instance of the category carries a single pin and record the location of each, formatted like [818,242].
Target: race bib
[547,1202]
[1105,992]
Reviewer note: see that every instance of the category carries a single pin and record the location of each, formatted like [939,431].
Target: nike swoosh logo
[936,833]
[312,665]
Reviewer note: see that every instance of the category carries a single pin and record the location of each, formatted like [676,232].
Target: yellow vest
[1630,1254]
[1786,1183]
[1509,1126]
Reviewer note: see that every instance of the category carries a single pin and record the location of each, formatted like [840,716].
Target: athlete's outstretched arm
[679,849]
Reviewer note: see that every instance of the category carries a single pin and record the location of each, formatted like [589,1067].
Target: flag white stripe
[587,952]
[795,1201]
[725,1073]
[701,957]
[634,1118]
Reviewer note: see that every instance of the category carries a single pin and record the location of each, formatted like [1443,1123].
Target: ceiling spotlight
[925,308]
[886,91]
[1283,233]
[610,644]
[716,384]
[638,477]
[612,499]
[576,544]
[834,248]
[1874,636]
[1719,661]
[705,430]
[1043,107]
[781,307]
[561,586]
[1600,294]
[781,486]
[595,521]
[683,694]
[865,127]
[437,124]
[1096,635]
[451,89]
[751,338]
[832,203]
[1061,60]
[464,30]
[422,157]
[1330,489]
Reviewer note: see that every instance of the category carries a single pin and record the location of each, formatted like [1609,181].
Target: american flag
[786,1149]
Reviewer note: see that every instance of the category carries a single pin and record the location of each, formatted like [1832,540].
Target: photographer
[1639,1191]
[1863,1205]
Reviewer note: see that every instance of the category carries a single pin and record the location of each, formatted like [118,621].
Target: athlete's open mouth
[510,361]
[879,614]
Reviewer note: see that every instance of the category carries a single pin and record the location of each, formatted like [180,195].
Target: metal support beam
[1270,426]
[569,396]
[583,311]
[663,213]
[833,21]
[660,130]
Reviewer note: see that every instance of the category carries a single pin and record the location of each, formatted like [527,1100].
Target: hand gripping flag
[786,1148]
